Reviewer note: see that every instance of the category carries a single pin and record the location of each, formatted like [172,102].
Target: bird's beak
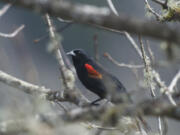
[71,53]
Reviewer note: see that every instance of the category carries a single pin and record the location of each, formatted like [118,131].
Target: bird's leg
[94,102]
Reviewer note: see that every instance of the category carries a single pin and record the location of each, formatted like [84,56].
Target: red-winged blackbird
[99,81]
[96,79]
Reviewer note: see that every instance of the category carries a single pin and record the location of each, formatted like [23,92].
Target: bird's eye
[77,52]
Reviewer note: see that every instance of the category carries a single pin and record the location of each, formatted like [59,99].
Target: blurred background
[30,61]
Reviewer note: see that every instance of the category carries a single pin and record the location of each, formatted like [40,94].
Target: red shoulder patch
[92,72]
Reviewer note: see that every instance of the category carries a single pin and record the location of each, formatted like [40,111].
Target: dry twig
[108,56]
[13,34]
[174,82]
[4,9]
[150,9]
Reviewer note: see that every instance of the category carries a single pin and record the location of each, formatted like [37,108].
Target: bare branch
[108,56]
[162,3]
[174,82]
[4,9]
[47,35]
[68,77]
[13,34]
[133,43]
[151,54]
[29,88]
[158,17]
[102,18]
[148,69]
[63,20]
[90,125]
[21,85]
[111,5]
[128,36]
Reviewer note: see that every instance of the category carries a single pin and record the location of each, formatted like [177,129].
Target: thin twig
[170,90]
[108,56]
[13,34]
[151,54]
[63,20]
[111,5]
[162,3]
[47,35]
[62,106]
[174,82]
[90,125]
[4,9]
[133,43]
[160,126]
[128,36]
[158,16]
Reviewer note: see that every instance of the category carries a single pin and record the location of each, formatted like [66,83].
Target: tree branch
[4,9]
[156,107]
[108,56]
[13,34]
[101,18]
[29,88]
[22,85]
[174,82]
[68,77]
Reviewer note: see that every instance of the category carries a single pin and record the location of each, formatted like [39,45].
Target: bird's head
[79,56]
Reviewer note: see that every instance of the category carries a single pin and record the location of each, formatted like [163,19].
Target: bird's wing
[98,72]
[92,71]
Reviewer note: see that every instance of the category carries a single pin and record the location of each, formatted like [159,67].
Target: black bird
[96,79]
